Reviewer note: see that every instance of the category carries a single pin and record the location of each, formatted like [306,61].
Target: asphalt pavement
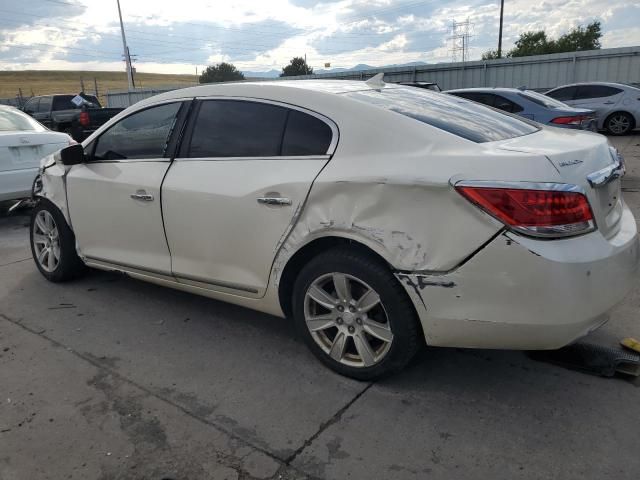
[111,378]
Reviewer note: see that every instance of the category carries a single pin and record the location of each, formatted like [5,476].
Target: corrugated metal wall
[541,72]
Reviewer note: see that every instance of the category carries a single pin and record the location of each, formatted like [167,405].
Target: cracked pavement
[111,378]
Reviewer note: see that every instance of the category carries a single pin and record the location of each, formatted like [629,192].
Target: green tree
[490,55]
[537,43]
[532,43]
[222,72]
[297,66]
[580,38]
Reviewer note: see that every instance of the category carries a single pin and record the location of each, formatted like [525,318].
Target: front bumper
[522,293]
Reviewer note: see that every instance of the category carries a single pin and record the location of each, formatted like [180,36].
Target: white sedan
[380,217]
[23,143]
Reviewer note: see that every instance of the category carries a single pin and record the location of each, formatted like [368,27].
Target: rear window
[63,102]
[452,114]
[542,100]
[15,121]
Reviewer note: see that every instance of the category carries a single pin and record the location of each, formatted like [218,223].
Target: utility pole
[500,34]
[127,57]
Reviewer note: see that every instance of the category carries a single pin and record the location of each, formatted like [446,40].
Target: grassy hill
[42,82]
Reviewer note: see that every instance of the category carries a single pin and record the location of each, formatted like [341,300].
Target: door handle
[609,103]
[142,196]
[277,201]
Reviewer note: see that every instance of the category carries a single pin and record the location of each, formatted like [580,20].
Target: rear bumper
[16,184]
[521,293]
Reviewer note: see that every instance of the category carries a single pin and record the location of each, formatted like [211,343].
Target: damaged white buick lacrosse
[379,217]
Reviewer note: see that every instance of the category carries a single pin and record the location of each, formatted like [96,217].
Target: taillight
[84,119]
[575,120]
[555,210]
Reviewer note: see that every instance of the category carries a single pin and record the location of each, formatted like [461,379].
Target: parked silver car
[531,105]
[616,105]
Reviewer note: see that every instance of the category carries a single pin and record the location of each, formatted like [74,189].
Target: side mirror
[72,155]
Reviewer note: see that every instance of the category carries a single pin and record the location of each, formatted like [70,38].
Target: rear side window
[16,121]
[596,91]
[506,105]
[144,134]
[231,128]
[453,115]
[240,128]
[305,135]
[63,102]
[563,94]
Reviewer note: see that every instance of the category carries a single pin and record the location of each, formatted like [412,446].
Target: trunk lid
[22,150]
[575,155]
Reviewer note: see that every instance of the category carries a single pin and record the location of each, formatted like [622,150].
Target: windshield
[15,121]
[543,100]
[455,115]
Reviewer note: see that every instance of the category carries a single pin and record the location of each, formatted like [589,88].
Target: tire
[619,123]
[49,230]
[397,335]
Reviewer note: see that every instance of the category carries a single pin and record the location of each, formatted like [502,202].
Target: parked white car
[617,106]
[377,216]
[23,143]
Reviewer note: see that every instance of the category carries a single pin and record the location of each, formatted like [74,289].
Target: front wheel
[53,244]
[619,123]
[354,315]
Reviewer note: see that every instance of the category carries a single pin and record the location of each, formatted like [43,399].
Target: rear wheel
[619,123]
[53,244]
[354,315]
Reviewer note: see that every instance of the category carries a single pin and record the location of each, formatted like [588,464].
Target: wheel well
[304,255]
[633,119]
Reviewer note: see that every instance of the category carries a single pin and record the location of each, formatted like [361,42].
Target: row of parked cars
[378,217]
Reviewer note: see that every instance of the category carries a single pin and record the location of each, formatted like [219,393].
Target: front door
[114,198]
[244,169]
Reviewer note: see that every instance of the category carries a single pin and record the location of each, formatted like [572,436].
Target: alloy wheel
[347,320]
[46,241]
[619,124]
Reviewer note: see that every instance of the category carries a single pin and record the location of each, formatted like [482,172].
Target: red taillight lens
[575,120]
[548,213]
[84,119]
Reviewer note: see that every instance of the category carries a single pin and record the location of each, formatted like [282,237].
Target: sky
[169,36]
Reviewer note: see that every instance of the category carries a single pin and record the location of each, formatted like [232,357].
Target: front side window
[32,105]
[563,94]
[596,91]
[453,115]
[16,121]
[45,105]
[144,134]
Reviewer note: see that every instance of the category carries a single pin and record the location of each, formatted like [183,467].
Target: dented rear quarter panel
[388,186]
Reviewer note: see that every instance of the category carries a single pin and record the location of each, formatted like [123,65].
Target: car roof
[604,84]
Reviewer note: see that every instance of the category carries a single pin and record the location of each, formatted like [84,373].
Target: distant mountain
[361,66]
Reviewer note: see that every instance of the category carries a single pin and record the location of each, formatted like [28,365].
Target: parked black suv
[58,112]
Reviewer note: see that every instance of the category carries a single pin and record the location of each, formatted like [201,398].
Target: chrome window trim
[231,159]
[335,131]
[558,187]
[133,160]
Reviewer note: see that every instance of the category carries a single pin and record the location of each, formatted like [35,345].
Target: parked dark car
[59,113]
[531,105]
[426,85]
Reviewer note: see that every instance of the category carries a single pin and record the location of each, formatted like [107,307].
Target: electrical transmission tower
[460,37]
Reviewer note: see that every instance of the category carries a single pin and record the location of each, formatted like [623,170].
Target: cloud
[169,36]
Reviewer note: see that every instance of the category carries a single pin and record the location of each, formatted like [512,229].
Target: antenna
[377,81]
